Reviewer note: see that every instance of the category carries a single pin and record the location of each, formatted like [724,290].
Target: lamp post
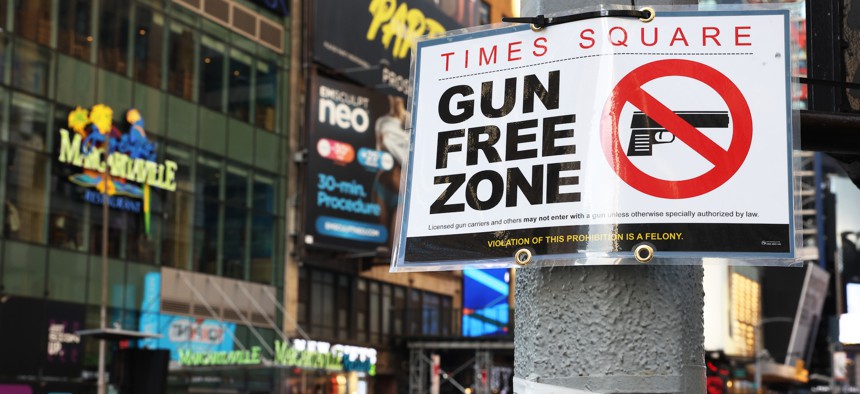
[103,308]
[759,348]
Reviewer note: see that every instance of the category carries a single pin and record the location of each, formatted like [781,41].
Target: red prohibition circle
[726,162]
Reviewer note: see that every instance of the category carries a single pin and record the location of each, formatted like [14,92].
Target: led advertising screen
[486,310]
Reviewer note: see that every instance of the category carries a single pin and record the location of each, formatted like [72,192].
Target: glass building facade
[210,99]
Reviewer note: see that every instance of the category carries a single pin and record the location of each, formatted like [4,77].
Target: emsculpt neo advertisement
[357,144]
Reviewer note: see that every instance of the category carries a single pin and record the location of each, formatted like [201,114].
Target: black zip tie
[836,84]
[540,21]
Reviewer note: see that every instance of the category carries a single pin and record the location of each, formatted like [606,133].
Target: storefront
[299,365]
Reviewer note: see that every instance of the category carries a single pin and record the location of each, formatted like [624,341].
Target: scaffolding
[420,365]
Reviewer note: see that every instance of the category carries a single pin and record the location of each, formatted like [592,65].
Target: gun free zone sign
[595,137]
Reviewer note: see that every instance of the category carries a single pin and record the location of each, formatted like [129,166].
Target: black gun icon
[646,132]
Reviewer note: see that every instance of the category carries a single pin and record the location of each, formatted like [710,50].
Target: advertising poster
[586,141]
[357,144]
[370,40]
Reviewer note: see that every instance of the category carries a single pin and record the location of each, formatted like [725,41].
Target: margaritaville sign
[299,353]
[98,147]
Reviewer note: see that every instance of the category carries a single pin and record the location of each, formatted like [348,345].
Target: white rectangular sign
[591,138]
[808,315]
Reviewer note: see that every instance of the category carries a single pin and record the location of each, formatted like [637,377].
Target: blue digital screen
[486,310]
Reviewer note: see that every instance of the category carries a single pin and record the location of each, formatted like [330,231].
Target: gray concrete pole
[610,329]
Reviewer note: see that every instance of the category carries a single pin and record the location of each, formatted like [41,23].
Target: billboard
[356,145]
[180,333]
[370,40]
[601,139]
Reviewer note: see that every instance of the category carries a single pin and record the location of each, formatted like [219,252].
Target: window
[180,61]
[26,171]
[264,194]
[211,83]
[176,232]
[430,314]
[344,297]
[177,211]
[68,273]
[24,269]
[375,314]
[31,70]
[33,20]
[117,222]
[235,221]
[262,229]
[239,99]
[68,209]
[399,310]
[140,245]
[26,195]
[113,35]
[414,312]
[4,57]
[208,182]
[148,44]
[75,38]
[446,320]
[4,14]
[28,122]
[206,226]
[267,95]
[234,241]
[236,186]
[207,215]
[361,309]
[386,310]
[322,303]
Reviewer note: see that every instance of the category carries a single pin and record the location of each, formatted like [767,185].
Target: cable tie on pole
[827,82]
[539,22]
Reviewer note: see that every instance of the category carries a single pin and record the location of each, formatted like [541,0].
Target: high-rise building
[251,181]
[352,146]
[185,105]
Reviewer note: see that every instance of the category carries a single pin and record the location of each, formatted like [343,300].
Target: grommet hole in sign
[523,256]
[643,253]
